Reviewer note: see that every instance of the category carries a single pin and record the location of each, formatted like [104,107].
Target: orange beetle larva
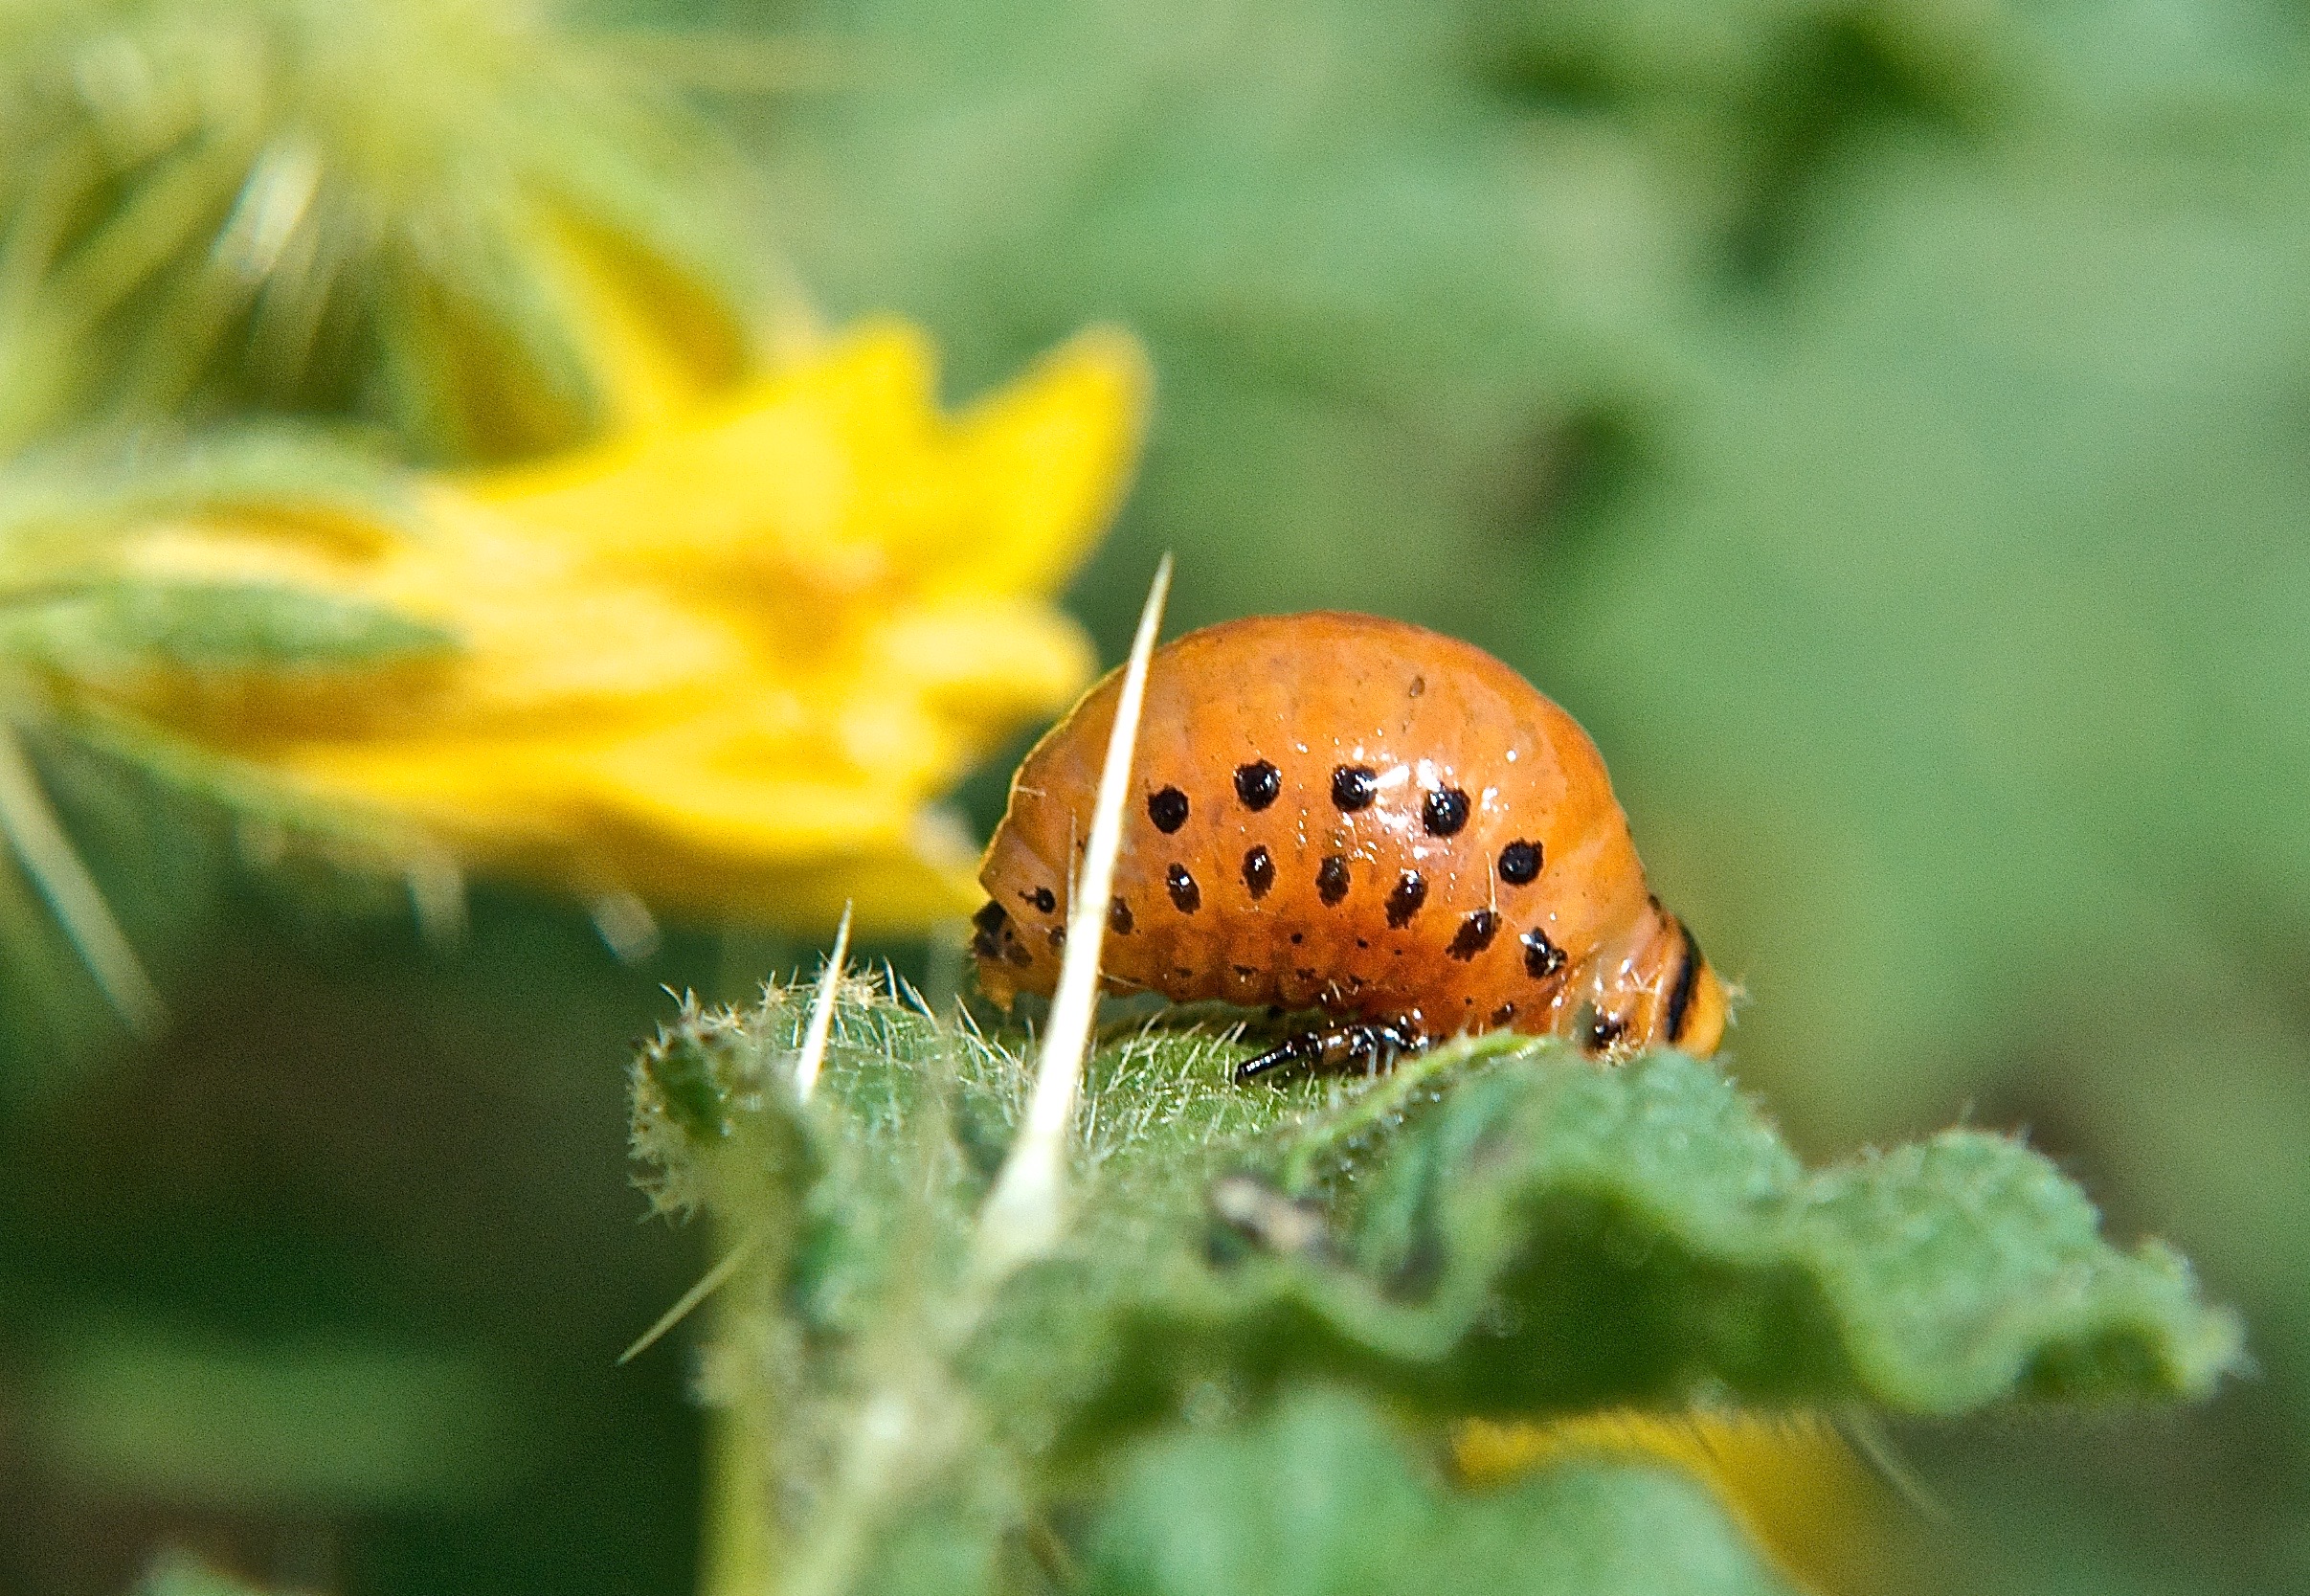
[1359,814]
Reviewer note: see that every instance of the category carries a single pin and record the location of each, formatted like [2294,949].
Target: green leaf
[1501,1226]
[1513,1231]
[1319,1499]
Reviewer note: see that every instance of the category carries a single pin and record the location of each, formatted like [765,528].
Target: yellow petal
[728,659]
[1788,1479]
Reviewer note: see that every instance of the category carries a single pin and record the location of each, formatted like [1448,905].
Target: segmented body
[1340,812]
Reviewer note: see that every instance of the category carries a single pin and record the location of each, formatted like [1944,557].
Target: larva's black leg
[1367,1046]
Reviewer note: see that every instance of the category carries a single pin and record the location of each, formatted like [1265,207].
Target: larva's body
[1343,812]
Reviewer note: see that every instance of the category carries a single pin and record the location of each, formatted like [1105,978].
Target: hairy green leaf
[1516,1232]
[1501,1226]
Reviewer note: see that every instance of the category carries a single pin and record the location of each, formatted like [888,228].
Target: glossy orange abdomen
[1359,814]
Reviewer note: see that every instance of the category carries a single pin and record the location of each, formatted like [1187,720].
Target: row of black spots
[1519,864]
[1333,880]
[1443,812]
[1403,901]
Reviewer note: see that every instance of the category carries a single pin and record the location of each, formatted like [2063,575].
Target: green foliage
[1498,1228]
[307,1425]
[1551,1238]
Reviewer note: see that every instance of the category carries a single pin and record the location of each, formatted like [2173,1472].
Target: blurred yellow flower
[724,659]
[1788,1479]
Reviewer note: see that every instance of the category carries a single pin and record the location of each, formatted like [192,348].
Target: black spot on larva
[1680,995]
[1604,1032]
[1332,878]
[1443,812]
[1542,957]
[990,920]
[1474,936]
[1168,809]
[1419,686]
[1118,917]
[1044,899]
[1058,936]
[1259,872]
[1185,895]
[1297,938]
[1258,783]
[1353,787]
[1404,901]
[1520,862]
[1503,1014]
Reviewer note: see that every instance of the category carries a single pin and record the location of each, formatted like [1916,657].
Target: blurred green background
[1887,427]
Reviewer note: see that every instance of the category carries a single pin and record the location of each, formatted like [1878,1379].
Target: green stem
[739,1531]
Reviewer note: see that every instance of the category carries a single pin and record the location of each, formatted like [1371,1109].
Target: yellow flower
[1788,1479]
[726,660]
